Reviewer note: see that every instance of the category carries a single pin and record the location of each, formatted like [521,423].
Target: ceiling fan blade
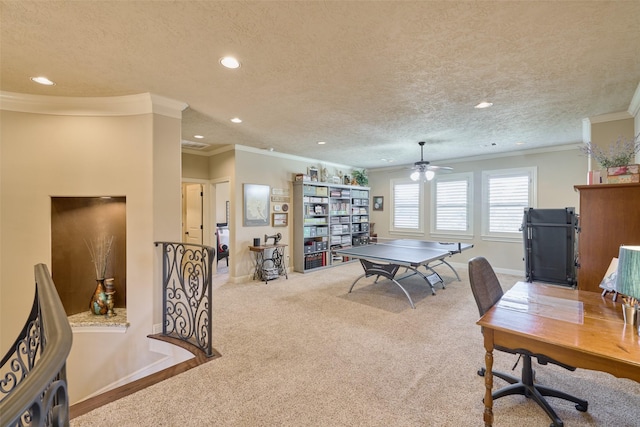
[439,168]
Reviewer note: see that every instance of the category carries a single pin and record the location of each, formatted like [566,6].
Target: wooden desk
[579,328]
[264,265]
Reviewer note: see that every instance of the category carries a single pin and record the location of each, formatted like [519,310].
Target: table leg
[257,271]
[279,260]
[488,377]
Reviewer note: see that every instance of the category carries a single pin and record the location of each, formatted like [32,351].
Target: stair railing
[33,380]
[187,293]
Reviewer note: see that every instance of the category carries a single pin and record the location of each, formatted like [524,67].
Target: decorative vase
[98,304]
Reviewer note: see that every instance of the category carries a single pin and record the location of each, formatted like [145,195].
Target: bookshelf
[326,216]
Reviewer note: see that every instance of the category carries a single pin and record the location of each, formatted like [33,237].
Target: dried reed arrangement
[100,248]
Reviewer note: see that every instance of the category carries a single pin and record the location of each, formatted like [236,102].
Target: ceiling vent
[194,145]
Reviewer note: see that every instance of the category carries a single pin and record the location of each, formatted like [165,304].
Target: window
[506,193]
[451,202]
[406,214]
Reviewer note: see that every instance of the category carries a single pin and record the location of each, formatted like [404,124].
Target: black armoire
[549,237]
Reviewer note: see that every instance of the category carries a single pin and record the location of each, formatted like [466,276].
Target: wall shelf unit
[326,216]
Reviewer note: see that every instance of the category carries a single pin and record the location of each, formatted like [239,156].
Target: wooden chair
[487,292]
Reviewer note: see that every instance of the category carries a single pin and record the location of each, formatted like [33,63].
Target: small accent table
[269,267]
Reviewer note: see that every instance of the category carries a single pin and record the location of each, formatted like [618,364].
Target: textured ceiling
[369,78]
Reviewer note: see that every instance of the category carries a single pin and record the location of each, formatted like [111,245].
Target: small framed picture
[347,180]
[378,203]
[280,219]
[313,173]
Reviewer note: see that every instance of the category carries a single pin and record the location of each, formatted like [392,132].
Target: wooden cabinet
[326,216]
[609,217]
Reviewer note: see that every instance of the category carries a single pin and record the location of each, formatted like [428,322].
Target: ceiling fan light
[415,175]
[429,175]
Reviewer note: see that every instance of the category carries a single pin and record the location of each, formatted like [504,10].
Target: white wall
[91,154]
[269,168]
[222,196]
[558,172]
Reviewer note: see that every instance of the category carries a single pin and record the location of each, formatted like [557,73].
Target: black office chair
[487,292]
[222,249]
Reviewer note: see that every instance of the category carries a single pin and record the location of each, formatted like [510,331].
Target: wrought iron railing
[33,380]
[187,293]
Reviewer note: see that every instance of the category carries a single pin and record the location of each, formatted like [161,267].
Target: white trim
[465,266]
[239,147]
[634,106]
[167,106]
[208,153]
[394,230]
[80,329]
[461,176]
[492,156]
[485,234]
[127,105]
[159,365]
[586,138]
[610,117]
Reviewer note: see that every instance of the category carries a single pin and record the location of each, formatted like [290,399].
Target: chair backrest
[484,284]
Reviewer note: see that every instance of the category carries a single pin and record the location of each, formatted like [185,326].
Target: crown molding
[167,106]
[506,154]
[610,117]
[291,157]
[127,105]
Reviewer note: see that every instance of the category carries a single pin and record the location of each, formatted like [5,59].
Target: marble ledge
[89,322]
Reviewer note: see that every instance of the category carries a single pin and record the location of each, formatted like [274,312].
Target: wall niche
[76,222]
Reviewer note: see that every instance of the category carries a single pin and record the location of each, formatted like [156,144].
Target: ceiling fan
[425,168]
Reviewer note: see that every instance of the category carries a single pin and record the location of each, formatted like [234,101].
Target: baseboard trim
[94,402]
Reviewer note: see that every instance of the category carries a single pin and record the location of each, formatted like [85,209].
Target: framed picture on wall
[313,173]
[256,205]
[280,220]
[378,203]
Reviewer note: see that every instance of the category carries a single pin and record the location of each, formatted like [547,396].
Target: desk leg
[488,377]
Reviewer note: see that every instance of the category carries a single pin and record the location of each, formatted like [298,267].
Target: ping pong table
[385,258]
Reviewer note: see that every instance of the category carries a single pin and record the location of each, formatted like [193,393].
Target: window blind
[452,210]
[406,206]
[508,196]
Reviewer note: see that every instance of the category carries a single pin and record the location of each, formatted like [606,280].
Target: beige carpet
[304,352]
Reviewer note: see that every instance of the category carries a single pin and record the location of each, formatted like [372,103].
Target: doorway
[192,215]
[221,215]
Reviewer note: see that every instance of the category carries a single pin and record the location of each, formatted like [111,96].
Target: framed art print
[256,205]
[280,220]
[378,203]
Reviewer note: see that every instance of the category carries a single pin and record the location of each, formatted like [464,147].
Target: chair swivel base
[527,388]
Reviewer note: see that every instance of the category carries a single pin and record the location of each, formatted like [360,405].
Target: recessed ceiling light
[520,143]
[484,104]
[43,81]
[322,142]
[230,62]
[236,120]
[198,136]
